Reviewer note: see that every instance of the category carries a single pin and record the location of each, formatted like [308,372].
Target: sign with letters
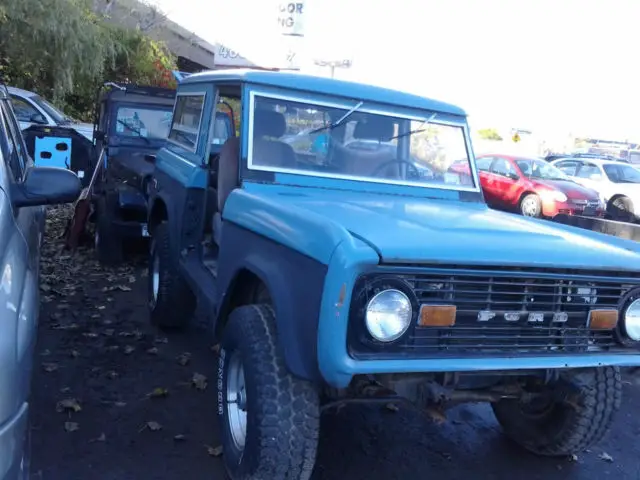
[291,18]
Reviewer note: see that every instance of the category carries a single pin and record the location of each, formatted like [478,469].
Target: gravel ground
[115,399]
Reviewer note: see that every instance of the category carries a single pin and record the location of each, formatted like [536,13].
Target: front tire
[621,209]
[107,243]
[569,423]
[270,419]
[531,206]
[171,301]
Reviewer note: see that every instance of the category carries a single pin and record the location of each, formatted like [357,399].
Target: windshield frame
[349,181]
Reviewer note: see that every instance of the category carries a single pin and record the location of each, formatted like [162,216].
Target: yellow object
[516,137]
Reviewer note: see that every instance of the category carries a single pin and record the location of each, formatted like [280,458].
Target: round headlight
[388,315]
[632,320]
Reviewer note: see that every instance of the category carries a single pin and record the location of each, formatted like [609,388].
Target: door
[504,183]
[22,228]
[483,165]
[590,175]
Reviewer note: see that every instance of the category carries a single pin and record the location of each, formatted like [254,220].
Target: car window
[484,163]
[589,171]
[12,144]
[567,167]
[503,167]
[621,173]
[23,109]
[143,121]
[185,125]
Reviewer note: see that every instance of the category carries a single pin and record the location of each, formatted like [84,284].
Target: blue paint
[47,145]
[324,86]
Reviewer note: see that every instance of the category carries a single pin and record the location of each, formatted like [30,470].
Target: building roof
[326,86]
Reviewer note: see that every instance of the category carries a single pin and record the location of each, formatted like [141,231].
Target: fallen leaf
[68,405]
[101,307]
[161,340]
[184,358]
[101,438]
[214,451]
[123,288]
[109,332]
[154,426]
[606,457]
[71,426]
[392,407]
[179,438]
[125,334]
[113,348]
[45,288]
[132,279]
[120,404]
[152,351]
[216,348]
[436,414]
[573,457]
[199,381]
[112,374]
[74,353]
[90,335]
[70,326]
[128,349]
[158,392]
[65,390]
[50,367]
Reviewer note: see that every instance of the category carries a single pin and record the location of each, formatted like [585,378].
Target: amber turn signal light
[437,316]
[603,319]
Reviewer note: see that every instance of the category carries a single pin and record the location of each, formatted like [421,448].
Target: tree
[489,134]
[63,50]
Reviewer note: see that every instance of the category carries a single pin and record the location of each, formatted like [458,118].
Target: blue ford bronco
[371,271]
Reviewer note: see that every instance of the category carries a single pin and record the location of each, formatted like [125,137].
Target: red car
[534,188]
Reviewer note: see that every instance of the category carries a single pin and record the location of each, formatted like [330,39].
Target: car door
[484,166]
[504,182]
[22,231]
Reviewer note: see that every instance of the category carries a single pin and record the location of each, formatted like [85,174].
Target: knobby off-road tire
[171,301]
[282,411]
[593,397]
[107,242]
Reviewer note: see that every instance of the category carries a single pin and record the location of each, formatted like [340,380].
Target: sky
[560,66]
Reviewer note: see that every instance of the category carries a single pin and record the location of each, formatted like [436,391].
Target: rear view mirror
[46,186]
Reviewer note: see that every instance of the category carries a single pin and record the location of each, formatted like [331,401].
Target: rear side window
[24,110]
[11,141]
[185,126]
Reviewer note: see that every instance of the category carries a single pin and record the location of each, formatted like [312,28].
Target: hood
[631,190]
[84,129]
[421,230]
[572,190]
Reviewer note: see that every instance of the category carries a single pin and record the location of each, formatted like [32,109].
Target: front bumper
[551,208]
[12,443]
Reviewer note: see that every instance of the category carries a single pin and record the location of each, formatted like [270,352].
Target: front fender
[294,281]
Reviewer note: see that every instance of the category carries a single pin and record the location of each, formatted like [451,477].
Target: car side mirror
[46,186]
[38,118]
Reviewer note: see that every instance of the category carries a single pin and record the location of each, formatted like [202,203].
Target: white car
[32,109]
[617,183]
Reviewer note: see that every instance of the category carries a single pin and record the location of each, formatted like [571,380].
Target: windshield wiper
[417,130]
[134,130]
[339,121]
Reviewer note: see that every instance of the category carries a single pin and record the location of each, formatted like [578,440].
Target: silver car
[617,183]
[24,192]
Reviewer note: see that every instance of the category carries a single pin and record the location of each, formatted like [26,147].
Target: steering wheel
[399,162]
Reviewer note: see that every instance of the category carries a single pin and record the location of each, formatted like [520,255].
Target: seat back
[228,165]
[269,126]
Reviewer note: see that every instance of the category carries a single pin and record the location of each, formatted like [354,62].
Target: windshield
[144,122]
[540,170]
[293,136]
[53,112]
[621,173]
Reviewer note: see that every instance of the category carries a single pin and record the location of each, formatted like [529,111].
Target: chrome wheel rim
[155,275]
[236,398]
[530,207]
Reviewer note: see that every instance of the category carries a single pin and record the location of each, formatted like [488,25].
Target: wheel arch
[254,269]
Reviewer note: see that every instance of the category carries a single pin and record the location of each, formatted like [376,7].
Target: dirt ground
[113,398]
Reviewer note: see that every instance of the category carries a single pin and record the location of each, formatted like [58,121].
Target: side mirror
[38,118]
[46,186]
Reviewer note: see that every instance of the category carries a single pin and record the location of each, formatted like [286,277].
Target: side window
[185,125]
[484,163]
[589,171]
[13,149]
[504,168]
[567,167]
[24,110]
[226,118]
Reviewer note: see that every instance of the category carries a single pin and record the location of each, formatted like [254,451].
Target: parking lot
[116,399]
